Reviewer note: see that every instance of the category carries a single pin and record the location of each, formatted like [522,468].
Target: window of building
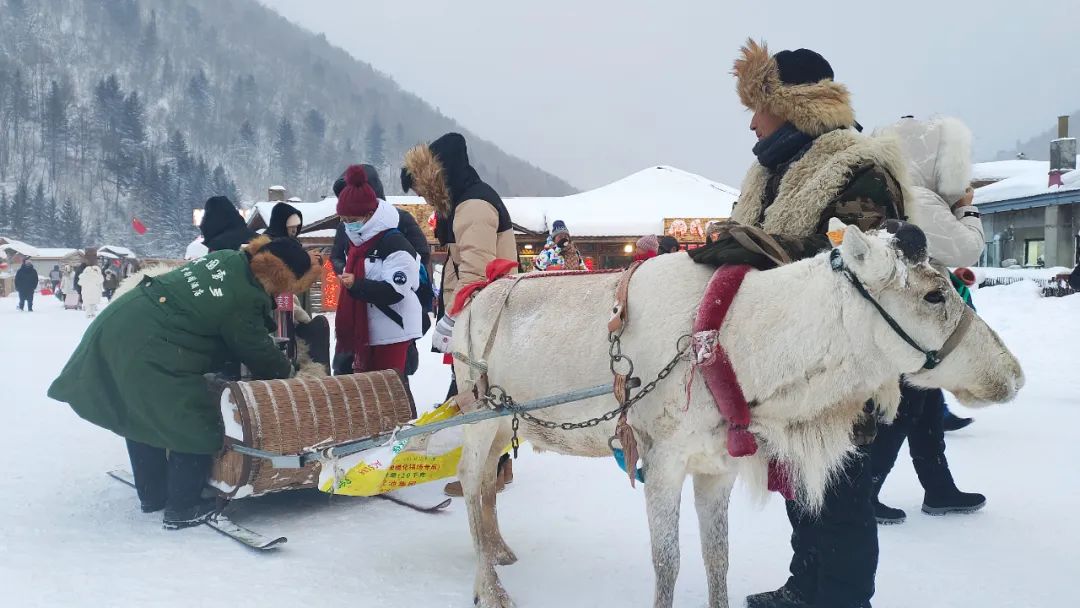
[1033,252]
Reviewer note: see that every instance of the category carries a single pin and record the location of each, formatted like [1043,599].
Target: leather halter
[933,357]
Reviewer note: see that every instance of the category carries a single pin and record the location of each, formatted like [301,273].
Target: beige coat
[478,242]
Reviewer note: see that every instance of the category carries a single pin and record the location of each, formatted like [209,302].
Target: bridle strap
[933,357]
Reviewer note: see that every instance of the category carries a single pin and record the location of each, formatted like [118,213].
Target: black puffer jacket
[26,279]
[222,225]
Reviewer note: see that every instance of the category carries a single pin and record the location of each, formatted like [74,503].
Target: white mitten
[444,331]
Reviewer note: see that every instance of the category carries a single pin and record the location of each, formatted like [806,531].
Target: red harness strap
[720,378]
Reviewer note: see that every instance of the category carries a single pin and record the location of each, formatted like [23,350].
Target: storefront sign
[424,216]
[688,229]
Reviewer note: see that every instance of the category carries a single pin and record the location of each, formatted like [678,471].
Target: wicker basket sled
[292,416]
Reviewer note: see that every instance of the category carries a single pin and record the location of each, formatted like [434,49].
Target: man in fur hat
[139,368]
[814,169]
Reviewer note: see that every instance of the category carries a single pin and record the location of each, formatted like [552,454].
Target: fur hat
[357,198]
[439,172]
[282,265]
[796,85]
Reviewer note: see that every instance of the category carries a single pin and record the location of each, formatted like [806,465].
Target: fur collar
[274,275]
[428,178]
[812,183]
[814,108]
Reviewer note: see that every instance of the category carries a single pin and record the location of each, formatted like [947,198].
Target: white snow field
[71,536]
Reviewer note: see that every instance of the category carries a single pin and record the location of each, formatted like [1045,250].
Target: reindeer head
[929,316]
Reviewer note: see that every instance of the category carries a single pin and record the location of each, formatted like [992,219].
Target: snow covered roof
[1030,183]
[1004,169]
[56,252]
[632,206]
[123,252]
[19,247]
[313,212]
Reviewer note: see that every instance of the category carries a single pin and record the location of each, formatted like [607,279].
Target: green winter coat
[139,368]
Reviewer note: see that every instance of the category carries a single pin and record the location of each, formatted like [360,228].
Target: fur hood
[812,182]
[814,109]
[938,154]
[424,174]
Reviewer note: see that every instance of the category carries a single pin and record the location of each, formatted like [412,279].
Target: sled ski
[415,507]
[220,523]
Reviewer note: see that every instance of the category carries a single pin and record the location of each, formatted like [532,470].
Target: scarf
[351,326]
[781,146]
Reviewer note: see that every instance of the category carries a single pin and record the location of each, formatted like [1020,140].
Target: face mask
[353,229]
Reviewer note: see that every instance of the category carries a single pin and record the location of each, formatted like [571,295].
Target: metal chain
[497,398]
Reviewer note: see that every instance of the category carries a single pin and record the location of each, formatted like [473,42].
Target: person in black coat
[26,281]
[222,226]
[285,221]
[407,226]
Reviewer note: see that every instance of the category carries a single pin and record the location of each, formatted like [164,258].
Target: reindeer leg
[663,492]
[500,552]
[475,472]
[711,496]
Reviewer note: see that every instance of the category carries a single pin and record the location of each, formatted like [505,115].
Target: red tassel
[780,481]
[138,226]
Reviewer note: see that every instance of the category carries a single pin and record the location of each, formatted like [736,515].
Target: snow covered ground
[70,536]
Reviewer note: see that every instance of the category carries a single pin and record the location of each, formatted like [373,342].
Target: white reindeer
[808,350]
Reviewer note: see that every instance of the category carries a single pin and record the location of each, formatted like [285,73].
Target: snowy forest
[113,111]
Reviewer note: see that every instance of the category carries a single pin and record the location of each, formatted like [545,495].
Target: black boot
[942,496]
[177,518]
[886,515]
[784,597]
[149,468]
[953,422]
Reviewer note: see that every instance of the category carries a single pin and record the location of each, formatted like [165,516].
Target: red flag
[138,226]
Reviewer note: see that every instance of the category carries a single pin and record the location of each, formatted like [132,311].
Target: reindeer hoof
[495,598]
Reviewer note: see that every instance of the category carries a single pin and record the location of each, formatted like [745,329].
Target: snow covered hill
[70,536]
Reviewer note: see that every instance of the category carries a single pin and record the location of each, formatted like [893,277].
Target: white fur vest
[814,183]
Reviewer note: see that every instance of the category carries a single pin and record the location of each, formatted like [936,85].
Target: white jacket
[391,272]
[91,283]
[938,155]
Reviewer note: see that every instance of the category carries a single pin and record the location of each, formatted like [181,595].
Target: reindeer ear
[855,246]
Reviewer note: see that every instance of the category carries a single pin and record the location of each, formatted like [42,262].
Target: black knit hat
[802,66]
[292,253]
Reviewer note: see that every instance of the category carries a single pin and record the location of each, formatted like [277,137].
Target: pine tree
[288,163]
[248,136]
[198,92]
[376,144]
[71,228]
[38,229]
[5,212]
[50,222]
[56,124]
[19,213]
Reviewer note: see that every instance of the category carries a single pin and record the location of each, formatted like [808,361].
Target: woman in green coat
[139,370]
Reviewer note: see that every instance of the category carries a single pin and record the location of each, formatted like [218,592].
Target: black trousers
[921,421]
[26,298]
[176,480]
[836,552]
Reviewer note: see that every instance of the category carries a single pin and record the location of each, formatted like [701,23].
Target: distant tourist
[26,281]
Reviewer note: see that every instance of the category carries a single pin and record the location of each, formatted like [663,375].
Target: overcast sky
[594,90]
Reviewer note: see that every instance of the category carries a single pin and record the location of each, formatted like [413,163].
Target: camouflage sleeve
[871,196]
